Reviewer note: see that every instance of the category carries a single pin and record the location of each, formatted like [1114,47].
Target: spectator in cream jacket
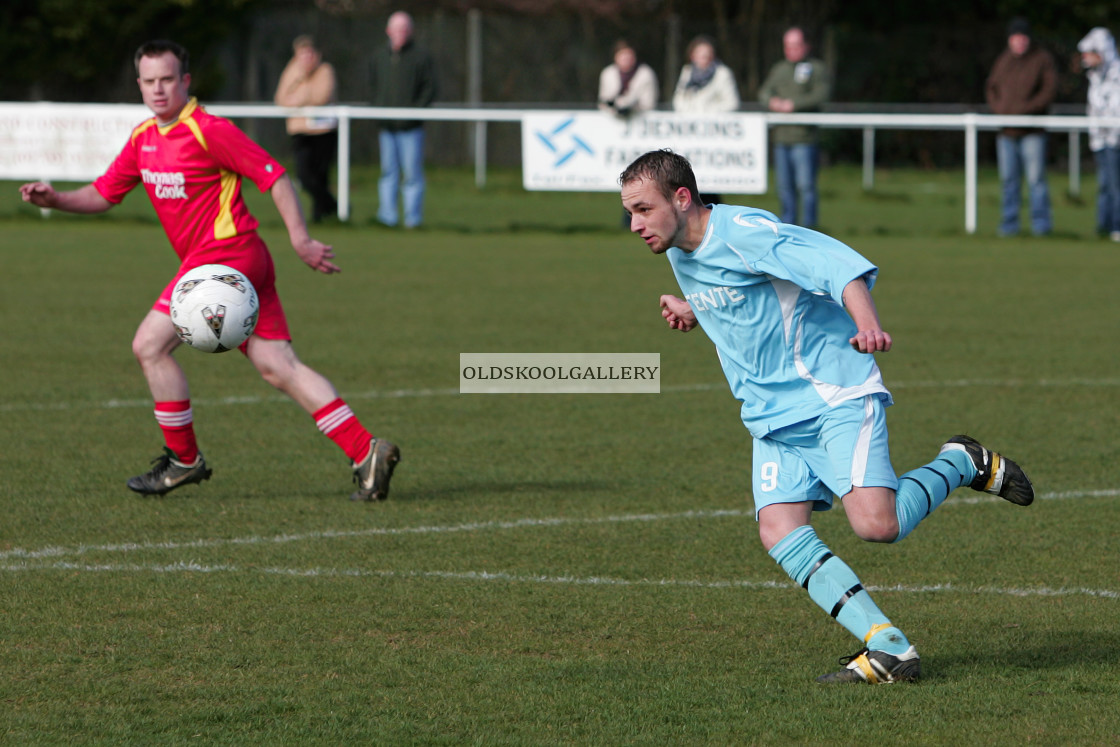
[706,85]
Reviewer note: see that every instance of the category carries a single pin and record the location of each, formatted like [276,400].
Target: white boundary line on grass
[254,399]
[23,556]
[55,552]
[487,576]
[531,523]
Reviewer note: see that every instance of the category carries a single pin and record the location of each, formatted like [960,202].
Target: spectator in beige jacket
[309,81]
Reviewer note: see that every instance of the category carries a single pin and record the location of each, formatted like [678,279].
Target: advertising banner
[586,151]
[64,142]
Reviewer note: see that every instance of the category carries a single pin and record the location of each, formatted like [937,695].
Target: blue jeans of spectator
[796,169]
[402,171]
[1108,190]
[1019,156]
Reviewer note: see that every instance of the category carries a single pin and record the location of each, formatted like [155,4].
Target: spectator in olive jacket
[799,83]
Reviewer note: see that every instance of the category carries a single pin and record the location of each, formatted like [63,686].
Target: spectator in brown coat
[1023,80]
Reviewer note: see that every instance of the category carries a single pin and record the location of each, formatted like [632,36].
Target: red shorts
[255,261]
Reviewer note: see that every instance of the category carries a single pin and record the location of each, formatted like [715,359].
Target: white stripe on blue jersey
[769,295]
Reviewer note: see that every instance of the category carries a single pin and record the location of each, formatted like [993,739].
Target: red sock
[337,421]
[177,422]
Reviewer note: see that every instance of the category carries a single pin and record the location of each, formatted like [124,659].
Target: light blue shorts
[817,459]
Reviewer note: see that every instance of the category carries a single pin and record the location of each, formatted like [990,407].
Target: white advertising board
[64,142]
[586,151]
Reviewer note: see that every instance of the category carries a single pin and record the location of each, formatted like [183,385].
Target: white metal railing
[345,114]
[969,123]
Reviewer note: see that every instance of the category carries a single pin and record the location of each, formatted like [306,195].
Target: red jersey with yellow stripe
[192,171]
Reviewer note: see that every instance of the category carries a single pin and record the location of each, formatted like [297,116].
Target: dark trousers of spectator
[314,155]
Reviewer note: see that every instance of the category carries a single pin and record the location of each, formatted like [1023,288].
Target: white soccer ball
[214,308]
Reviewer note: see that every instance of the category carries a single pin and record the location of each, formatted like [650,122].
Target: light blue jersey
[769,295]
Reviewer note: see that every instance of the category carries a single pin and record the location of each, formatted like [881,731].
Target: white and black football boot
[995,473]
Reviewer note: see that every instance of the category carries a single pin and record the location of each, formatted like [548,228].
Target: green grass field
[549,569]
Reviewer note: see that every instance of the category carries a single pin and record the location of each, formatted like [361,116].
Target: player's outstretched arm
[870,337]
[315,254]
[677,313]
[82,200]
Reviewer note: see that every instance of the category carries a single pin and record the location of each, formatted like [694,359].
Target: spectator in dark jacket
[403,75]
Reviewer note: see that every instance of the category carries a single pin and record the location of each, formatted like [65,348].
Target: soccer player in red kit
[191,165]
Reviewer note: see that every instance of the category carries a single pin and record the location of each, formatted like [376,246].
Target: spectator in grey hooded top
[1102,66]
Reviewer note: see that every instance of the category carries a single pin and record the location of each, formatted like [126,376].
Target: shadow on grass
[567,229]
[1067,650]
[873,196]
[46,219]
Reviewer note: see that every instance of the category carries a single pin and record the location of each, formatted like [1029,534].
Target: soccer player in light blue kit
[792,319]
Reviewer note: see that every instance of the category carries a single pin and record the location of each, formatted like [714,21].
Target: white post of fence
[970,173]
[1074,163]
[344,165]
[474,91]
[480,154]
[868,157]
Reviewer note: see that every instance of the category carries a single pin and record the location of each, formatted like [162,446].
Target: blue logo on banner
[565,145]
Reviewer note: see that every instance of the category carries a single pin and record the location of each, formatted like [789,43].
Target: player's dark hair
[668,170]
[157,47]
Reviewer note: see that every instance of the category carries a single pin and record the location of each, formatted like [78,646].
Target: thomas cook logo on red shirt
[167,185]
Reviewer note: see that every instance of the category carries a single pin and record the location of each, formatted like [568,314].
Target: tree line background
[884,56]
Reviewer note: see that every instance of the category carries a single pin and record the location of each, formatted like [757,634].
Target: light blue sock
[836,589]
[922,490]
